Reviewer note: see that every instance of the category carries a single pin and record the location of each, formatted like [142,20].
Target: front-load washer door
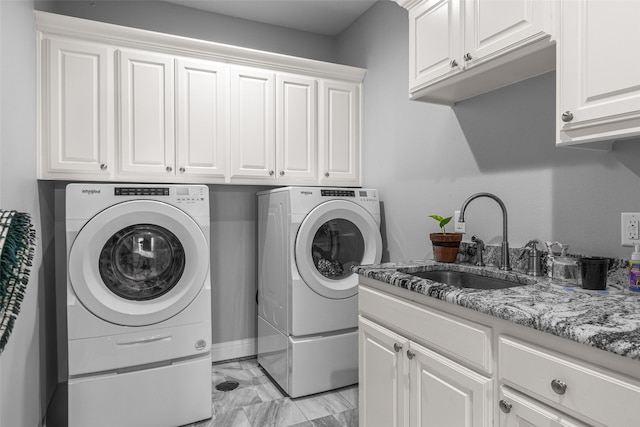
[138,263]
[333,237]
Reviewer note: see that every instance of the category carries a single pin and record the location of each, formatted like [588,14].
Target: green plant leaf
[436,217]
[444,221]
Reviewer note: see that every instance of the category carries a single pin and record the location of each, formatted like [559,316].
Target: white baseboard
[234,349]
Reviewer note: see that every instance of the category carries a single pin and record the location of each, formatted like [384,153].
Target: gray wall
[23,362]
[428,159]
[175,19]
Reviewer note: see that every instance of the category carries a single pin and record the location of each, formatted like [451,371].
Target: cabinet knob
[169,169]
[271,173]
[453,63]
[560,387]
[505,406]
[410,354]
[182,169]
[281,173]
[567,116]
[467,57]
[326,174]
[103,167]
[397,347]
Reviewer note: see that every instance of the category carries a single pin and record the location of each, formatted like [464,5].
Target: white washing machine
[309,238]
[138,304]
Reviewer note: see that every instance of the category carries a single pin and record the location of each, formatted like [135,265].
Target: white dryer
[138,304]
[309,238]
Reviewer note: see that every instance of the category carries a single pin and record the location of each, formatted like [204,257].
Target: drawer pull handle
[103,167]
[182,169]
[169,169]
[505,406]
[567,116]
[560,387]
[397,347]
[271,173]
[410,354]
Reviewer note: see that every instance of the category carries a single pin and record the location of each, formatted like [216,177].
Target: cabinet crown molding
[85,29]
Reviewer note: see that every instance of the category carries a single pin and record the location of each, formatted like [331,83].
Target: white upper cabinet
[297,128]
[252,123]
[201,126]
[146,88]
[118,103]
[462,48]
[435,42]
[339,133]
[598,81]
[77,113]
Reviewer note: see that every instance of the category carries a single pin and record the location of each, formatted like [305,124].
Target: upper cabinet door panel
[201,118]
[296,127]
[146,112]
[79,122]
[340,132]
[598,65]
[435,41]
[493,26]
[252,120]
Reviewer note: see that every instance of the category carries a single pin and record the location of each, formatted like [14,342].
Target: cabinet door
[444,393]
[517,410]
[252,123]
[435,41]
[77,108]
[146,113]
[296,128]
[340,133]
[383,384]
[598,78]
[495,26]
[200,128]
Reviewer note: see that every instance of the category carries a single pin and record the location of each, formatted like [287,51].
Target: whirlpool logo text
[90,191]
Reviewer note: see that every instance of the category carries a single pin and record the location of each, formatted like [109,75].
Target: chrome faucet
[504,250]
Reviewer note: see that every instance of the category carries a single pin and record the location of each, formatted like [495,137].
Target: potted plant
[445,245]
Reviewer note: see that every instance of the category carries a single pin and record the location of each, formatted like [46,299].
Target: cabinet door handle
[560,387]
[169,169]
[281,173]
[103,167]
[410,354]
[326,174]
[182,169]
[453,63]
[397,347]
[467,57]
[271,173]
[505,406]
[567,116]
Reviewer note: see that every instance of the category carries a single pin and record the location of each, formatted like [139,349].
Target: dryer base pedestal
[308,365]
[168,396]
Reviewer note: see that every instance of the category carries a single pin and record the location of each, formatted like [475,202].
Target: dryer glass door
[333,237]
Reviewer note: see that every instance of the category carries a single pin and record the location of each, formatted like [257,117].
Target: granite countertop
[606,320]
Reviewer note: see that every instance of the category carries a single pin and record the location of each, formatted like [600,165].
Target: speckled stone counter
[608,321]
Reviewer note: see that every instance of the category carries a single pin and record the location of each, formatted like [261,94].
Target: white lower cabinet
[405,383]
[517,410]
[421,365]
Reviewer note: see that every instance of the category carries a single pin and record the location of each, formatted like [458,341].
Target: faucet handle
[480,248]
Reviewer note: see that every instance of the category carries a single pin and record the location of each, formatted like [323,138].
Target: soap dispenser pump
[634,271]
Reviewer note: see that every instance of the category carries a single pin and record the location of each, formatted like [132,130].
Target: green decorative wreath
[17,244]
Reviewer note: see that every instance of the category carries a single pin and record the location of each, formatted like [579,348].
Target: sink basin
[466,280]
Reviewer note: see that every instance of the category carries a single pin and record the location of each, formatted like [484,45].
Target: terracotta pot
[445,246]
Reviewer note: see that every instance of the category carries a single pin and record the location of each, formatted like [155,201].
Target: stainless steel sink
[466,280]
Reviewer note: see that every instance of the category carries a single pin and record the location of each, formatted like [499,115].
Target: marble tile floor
[257,402]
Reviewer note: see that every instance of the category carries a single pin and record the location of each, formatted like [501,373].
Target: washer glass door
[138,262]
[333,237]
[142,262]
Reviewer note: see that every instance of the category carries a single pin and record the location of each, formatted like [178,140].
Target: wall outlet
[458,227]
[630,228]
